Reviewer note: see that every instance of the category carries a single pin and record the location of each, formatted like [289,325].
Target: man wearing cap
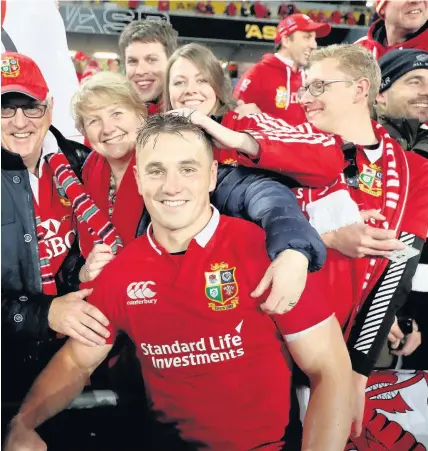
[402,24]
[402,108]
[38,232]
[273,82]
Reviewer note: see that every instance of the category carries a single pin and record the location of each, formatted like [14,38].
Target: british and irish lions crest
[9,67]
[221,287]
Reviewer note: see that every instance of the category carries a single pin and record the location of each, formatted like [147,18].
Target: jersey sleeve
[313,159]
[247,88]
[106,298]
[312,309]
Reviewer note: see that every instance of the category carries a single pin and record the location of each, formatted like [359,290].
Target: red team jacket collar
[202,238]
[286,61]
[272,59]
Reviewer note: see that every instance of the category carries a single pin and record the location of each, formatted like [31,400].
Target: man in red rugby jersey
[214,364]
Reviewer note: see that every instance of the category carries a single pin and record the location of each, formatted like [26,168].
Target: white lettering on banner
[112,21]
[57,246]
[204,351]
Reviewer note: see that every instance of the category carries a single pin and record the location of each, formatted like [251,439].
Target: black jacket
[409,133]
[264,198]
[413,136]
[24,306]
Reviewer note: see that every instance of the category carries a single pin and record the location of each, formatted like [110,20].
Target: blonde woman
[108,112]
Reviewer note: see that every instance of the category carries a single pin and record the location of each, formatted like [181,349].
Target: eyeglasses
[30,111]
[317,87]
[352,175]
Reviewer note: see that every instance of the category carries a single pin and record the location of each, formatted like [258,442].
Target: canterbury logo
[140,290]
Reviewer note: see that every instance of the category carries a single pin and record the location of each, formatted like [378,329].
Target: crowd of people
[233,241]
[259,9]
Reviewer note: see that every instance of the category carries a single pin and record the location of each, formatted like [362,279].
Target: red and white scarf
[128,206]
[395,191]
[86,212]
[395,186]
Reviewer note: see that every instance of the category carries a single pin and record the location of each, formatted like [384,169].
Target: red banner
[396,414]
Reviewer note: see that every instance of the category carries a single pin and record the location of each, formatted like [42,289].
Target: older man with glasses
[38,231]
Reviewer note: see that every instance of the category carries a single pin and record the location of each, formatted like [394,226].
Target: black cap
[396,63]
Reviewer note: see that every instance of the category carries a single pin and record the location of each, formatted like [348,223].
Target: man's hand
[287,274]
[71,315]
[412,341]
[20,438]
[244,109]
[100,255]
[359,390]
[395,335]
[360,239]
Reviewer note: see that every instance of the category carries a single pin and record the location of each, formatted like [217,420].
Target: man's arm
[321,353]
[313,159]
[55,388]
[266,200]
[291,242]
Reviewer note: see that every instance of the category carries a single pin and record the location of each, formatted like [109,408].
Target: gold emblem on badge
[371,180]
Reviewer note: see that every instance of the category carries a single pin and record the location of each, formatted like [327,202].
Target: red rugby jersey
[212,361]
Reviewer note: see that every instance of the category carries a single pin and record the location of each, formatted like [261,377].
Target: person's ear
[213,179]
[381,99]
[50,109]
[363,87]
[137,179]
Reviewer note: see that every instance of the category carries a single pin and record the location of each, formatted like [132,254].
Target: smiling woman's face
[112,130]
[189,87]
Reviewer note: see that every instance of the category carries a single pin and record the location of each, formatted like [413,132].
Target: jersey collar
[202,238]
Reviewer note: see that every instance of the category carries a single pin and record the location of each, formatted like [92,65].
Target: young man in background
[273,82]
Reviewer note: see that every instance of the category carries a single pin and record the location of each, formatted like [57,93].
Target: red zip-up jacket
[318,164]
[272,85]
[376,38]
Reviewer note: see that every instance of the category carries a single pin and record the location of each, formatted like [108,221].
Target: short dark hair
[171,124]
[149,31]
